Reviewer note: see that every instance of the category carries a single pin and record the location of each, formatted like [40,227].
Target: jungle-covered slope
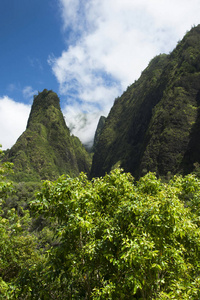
[155,124]
[46,149]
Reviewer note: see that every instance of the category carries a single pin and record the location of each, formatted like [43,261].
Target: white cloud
[13,120]
[28,93]
[82,124]
[110,43]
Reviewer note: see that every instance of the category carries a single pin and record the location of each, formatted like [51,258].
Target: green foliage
[154,125]
[46,149]
[21,195]
[17,246]
[5,169]
[118,239]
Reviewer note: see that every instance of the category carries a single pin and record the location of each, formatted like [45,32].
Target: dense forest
[130,227]
[109,238]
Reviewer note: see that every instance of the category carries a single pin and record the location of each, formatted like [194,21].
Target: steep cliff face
[98,131]
[46,149]
[154,125]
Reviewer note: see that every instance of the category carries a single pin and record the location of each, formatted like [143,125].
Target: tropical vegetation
[130,229]
[108,238]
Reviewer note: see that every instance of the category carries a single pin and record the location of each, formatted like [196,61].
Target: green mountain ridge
[154,125]
[46,149]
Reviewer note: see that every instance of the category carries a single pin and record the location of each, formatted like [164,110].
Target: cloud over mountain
[109,43]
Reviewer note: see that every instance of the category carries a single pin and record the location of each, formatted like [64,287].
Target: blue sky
[87,51]
[30,31]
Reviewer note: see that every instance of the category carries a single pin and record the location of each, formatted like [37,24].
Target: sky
[87,51]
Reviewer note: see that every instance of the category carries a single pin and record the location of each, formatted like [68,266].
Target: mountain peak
[46,149]
[41,104]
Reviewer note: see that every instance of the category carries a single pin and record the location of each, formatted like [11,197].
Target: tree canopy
[117,238]
[107,238]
